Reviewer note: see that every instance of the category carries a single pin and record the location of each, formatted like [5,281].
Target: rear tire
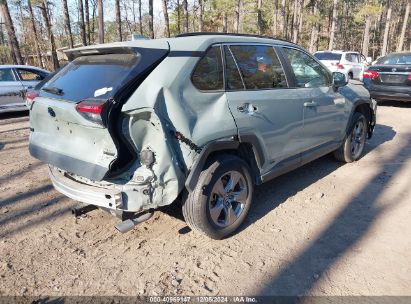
[350,76]
[219,203]
[354,142]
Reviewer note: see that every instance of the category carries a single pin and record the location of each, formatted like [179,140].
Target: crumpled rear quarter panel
[167,102]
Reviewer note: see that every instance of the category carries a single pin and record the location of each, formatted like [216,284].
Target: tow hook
[129,224]
[82,209]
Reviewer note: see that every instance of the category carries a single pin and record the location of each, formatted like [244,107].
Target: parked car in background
[390,77]
[129,127]
[15,80]
[352,64]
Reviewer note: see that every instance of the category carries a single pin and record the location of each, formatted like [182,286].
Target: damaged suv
[129,127]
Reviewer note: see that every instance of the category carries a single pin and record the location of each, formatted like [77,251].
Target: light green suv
[132,126]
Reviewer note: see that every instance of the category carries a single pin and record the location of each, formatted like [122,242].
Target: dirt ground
[324,229]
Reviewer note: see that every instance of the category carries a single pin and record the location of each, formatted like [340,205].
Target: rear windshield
[327,56]
[90,77]
[395,59]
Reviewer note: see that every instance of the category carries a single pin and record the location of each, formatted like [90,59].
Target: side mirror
[339,79]
[368,60]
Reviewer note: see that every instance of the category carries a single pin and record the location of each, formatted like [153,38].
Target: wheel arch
[364,107]
[248,149]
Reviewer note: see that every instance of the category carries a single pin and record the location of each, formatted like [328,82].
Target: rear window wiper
[53,90]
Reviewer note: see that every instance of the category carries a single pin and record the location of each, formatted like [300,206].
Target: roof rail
[191,34]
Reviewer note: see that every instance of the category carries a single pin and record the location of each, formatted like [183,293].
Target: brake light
[29,97]
[340,66]
[370,74]
[409,77]
[91,110]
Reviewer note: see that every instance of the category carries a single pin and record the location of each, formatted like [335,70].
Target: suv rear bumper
[101,197]
[128,198]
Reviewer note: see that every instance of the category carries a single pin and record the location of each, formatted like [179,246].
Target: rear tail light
[92,110]
[409,77]
[29,97]
[340,66]
[370,74]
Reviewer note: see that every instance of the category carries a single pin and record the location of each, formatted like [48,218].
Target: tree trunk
[185,13]
[36,42]
[167,21]
[314,30]
[23,30]
[295,21]
[81,21]
[67,22]
[241,16]
[237,16]
[259,17]
[333,25]
[275,18]
[225,22]
[404,27]
[201,7]
[300,18]
[45,13]
[139,17]
[87,11]
[178,17]
[151,19]
[93,17]
[118,19]
[100,21]
[366,40]
[11,34]
[386,31]
[283,19]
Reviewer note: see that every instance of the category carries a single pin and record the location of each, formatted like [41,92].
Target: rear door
[262,102]
[11,90]
[71,123]
[324,112]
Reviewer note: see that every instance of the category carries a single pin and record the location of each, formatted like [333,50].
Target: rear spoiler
[126,47]
[74,53]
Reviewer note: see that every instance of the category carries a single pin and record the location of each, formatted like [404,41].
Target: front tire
[219,203]
[354,142]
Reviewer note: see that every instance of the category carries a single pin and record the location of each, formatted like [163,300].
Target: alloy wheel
[228,198]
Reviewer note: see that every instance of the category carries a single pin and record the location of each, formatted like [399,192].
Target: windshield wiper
[53,90]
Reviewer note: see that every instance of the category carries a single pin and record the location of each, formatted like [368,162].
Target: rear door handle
[310,104]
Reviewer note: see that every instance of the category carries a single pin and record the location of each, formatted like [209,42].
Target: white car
[15,80]
[352,64]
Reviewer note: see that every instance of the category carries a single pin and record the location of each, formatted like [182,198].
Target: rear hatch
[330,60]
[75,120]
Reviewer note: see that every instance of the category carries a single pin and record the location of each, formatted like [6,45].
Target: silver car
[14,81]
[132,126]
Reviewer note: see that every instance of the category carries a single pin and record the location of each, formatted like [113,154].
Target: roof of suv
[189,42]
[337,52]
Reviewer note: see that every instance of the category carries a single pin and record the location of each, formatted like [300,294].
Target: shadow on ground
[349,226]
